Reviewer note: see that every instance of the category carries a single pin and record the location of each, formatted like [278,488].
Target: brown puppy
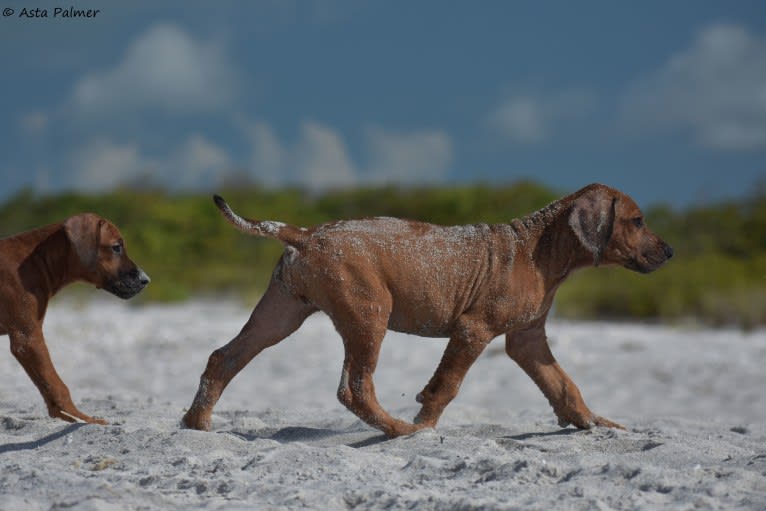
[34,265]
[469,283]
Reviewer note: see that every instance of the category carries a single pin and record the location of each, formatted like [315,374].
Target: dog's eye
[117,249]
[638,222]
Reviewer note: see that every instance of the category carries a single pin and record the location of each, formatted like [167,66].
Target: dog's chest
[513,300]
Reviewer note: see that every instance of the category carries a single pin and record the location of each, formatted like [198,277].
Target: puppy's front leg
[30,350]
[461,352]
[529,349]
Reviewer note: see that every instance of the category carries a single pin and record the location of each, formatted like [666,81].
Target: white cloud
[197,162]
[408,158]
[521,119]
[164,68]
[268,158]
[714,90]
[34,123]
[101,164]
[529,118]
[319,158]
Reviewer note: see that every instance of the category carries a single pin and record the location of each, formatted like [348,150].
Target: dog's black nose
[143,278]
[139,275]
[668,251]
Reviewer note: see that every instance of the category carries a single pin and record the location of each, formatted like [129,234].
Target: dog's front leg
[28,346]
[529,349]
[461,352]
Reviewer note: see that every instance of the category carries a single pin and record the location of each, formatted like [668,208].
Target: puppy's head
[100,253]
[611,227]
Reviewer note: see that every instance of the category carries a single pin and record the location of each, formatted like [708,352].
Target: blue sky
[664,100]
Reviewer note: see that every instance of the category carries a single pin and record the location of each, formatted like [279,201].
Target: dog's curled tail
[285,233]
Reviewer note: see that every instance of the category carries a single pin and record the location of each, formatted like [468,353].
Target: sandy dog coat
[468,283]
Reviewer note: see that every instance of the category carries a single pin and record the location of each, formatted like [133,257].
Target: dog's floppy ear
[84,233]
[592,220]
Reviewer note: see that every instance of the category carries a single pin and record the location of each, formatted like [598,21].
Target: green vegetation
[717,276]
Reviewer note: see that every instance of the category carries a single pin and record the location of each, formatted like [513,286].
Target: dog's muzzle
[129,283]
[652,260]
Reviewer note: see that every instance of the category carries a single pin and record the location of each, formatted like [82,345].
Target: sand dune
[692,400]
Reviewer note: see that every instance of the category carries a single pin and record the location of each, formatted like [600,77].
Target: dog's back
[431,274]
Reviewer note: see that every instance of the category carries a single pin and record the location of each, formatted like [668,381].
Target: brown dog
[34,265]
[469,283]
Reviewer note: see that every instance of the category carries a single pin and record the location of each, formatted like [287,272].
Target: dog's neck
[46,248]
[550,241]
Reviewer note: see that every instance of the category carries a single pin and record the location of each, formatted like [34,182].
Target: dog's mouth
[129,284]
[635,265]
[648,262]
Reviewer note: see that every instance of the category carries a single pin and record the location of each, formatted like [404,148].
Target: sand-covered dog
[469,283]
[34,266]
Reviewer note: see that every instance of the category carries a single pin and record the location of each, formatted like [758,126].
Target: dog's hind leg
[362,341]
[277,315]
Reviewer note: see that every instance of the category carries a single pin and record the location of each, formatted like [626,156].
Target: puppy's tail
[287,234]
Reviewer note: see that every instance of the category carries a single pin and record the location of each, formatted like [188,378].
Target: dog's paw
[193,421]
[586,421]
[78,416]
[601,422]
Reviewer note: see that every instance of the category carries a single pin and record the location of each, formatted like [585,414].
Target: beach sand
[693,400]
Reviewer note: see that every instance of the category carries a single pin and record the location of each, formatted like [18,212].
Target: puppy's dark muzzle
[129,283]
[650,261]
[661,256]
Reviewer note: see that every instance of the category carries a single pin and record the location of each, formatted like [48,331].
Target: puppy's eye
[117,249]
[638,222]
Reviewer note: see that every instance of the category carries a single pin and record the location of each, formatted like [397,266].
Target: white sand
[693,401]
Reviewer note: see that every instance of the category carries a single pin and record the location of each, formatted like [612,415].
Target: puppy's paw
[586,420]
[401,428]
[195,421]
[602,422]
[78,416]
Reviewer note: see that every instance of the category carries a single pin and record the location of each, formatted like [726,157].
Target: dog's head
[99,250]
[611,227]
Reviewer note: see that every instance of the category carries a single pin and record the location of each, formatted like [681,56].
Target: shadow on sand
[314,435]
[34,444]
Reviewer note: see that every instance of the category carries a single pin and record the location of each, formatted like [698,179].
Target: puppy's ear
[592,220]
[84,233]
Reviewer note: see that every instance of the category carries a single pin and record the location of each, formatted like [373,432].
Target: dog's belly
[428,311]
[425,325]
